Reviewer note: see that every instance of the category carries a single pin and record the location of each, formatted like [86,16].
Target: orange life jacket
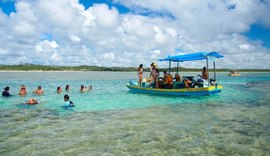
[169,80]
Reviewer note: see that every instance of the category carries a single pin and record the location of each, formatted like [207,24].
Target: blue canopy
[192,57]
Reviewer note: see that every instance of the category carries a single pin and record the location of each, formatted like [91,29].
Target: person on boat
[32,101]
[151,70]
[154,76]
[203,78]
[23,90]
[169,81]
[188,83]
[204,74]
[177,77]
[163,80]
[165,75]
[140,74]
[39,91]
[67,88]
[59,89]
[151,78]
[6,92]
[68,103]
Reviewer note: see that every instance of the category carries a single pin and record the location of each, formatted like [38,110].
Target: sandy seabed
[161,130]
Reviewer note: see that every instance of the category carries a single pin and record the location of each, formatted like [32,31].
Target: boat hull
[177,92]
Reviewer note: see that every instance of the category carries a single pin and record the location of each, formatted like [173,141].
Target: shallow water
[110,120]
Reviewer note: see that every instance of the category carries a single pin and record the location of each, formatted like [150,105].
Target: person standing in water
[23,90]
[67,88]
[59,89]
[140,74]
[39,91]
[83,89]
[68,103]
[6,92]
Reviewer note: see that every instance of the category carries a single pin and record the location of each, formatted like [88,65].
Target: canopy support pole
[170,66]
[208,79]
[214,64]
[177,67]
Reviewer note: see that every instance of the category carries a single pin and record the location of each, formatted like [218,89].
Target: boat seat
[200,84]
[177,85]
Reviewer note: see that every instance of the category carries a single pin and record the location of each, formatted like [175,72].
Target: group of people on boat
[167,81]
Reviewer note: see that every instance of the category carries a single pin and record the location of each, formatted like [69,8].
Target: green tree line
[34,67]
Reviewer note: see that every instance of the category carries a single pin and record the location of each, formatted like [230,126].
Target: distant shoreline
[86,68]
[68,71]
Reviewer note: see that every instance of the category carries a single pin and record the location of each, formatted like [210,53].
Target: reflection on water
[112,121]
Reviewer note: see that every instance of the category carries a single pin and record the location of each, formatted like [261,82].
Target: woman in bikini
[140,74]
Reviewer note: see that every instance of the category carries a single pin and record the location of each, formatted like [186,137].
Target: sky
[130,32]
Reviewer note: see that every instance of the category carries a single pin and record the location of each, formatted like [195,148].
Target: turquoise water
[110,120]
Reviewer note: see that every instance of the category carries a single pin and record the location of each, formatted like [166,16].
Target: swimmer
[68,103]
[90,88]
[59,89]
[32,101]
[83,88]
[39,91]
[250,83]
[6,92]
[23,90]
[67,88]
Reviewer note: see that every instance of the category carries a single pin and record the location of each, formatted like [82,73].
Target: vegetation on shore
[33,67]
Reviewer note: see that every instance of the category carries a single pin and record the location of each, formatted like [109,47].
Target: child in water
[68,103]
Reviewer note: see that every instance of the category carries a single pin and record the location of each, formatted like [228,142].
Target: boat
[203,89]
[234,73]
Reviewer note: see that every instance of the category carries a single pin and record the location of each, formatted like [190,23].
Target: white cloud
[56,57]
[104,16]
[100,35]
[136,26]
[3,18]
[75,39]
[46,46]
[108,56]
[23,28]
[245,47]
[155,54]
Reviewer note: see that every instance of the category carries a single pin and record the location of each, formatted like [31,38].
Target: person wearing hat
[6,92]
